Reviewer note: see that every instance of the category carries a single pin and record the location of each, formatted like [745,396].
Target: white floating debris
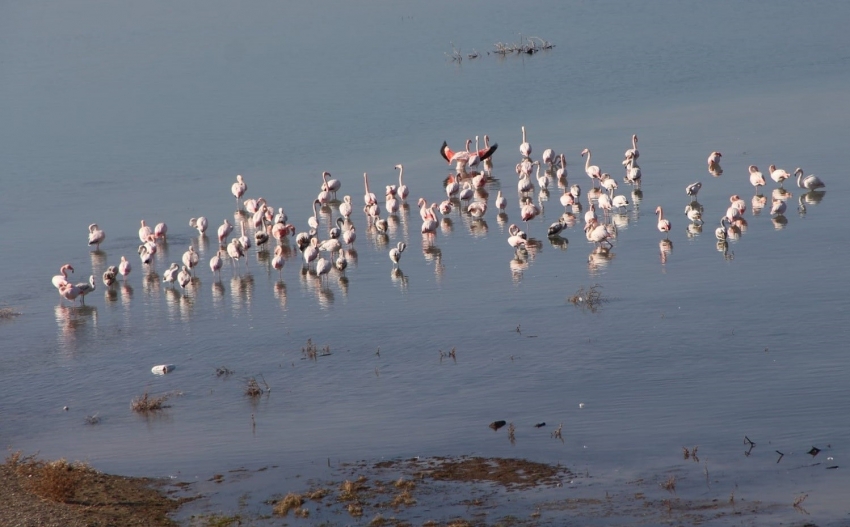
[162,369]
[581,405]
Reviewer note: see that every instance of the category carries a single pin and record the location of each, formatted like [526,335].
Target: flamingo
[144,232]
[236,251]
[161,230]
[561,173]
[349,236]
[524,147]
[524,184]
[608,182]
[714,160]
[604,202]
[446,207]
[501,202]
[216,263]
[810,182]
[391,203]
[281,216]
[200,224]
[516,238]
[345,208]
[633,173]
[244,240]
[110,275]
[556,228]
[224,230]
[124,268]
[311,252]
[368,198]
[738,202]
[592,171]
[466,193]
[62,277]
[190,258]
[528,211]
[261,238]
[542,181]
[238,189]
[453,186]
[722,232]
[778,175]
[280,230]
[302,240]
[461,157]
[756,177]
[278,261]
[183,278]
[395,253]
[341,262]
[86,288]
[381,225]
[313,221]
[597,233]
[96,236]
[633,151]
[693,189]
[170,274]
[477,209]
[330,245]
[145,254]
[429,222]
[331,184]
[69,291]
[549,158]
[403,191]
[323,267]
[663,223]
[619,202]
[488,161]
[694,215]
[575,190]
[567,199]
[590,215]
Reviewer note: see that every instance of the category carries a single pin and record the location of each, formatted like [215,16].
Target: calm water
[116,113]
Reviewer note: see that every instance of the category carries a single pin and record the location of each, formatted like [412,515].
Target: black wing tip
[490,151]
[443,151]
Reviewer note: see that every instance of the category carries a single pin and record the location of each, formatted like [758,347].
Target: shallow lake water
[114,114]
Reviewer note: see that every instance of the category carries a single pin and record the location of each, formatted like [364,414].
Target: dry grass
[253,389]
[405,484]
[355,510]
[557,433]
[289,502]
[318,494]
[404,498]
[51,480]
[670,484]
[146,403]
[590,299]
[512,433]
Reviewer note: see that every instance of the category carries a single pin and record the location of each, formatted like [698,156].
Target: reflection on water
[71,319]
[665,247]
[598,259]
[779,221]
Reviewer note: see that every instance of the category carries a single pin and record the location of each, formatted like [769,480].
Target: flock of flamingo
[464,189]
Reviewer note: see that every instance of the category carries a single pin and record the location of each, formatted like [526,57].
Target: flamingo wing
[446,152]
[484,153]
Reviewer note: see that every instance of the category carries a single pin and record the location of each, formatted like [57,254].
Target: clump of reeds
[311,351]
[448,355]
[670,484]
[590,298]
[289,502]
[253,388]
[404,498]
[512,433]
[221,371]
[147,403]
[406,484]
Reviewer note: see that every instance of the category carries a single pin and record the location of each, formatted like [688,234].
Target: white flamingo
[341,262]
[756,177]
[349,236]
[567,199]
[190,258]
[619,202]
[402,190]
[778,175]
[62,277]
[200,224]
[663,223]
[224,230]
[236,251]
[110,275]
[331,184]
[170,274]
[311,252]
[278,261]
[238,189]
[453,186]
[96,236]
[633,151]
[183,278]
[714,160]
[693,189]
[395,253]
[810,182]
[216,263]
[69,291]
[524,147]
[124,268]
[597,233]
[592,171]
[244,240]
[145,232]
[161,230]
[86,288]
[323,267]
[369,197]
[345,208]
[501,202]
[633,173]
[477,209]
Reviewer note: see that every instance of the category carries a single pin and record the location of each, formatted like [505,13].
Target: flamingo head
[585,151]
[798,172]
[658,210]
[398,167]
[771,168]
[753,168]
